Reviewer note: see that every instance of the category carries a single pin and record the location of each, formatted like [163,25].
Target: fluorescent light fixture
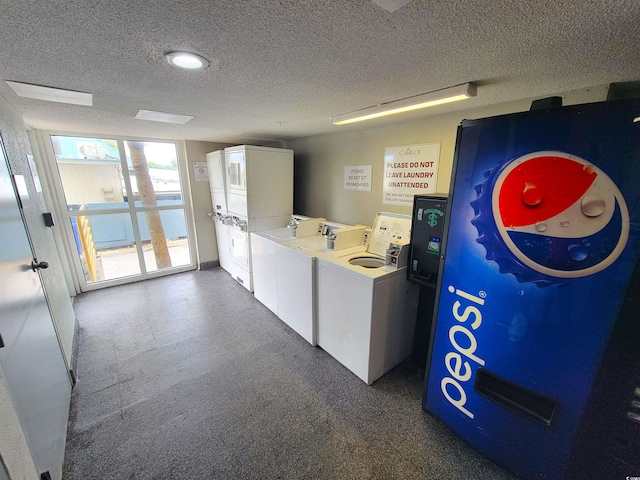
[50,94]
[439,97]
[187,60]
[163,117]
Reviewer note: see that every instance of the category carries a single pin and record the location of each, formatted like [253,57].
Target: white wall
[320,160]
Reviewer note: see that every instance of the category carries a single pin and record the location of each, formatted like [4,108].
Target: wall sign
[200,171]
[409,170]
[357,177]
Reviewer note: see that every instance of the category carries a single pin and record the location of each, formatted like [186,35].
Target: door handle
[35,265]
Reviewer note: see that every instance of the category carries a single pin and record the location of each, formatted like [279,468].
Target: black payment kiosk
[425,256]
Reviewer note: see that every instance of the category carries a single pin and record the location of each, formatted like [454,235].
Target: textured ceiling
[280,69]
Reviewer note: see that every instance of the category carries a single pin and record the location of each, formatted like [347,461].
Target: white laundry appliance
[259,183]
[220,215]
[263,256]
[296,263]
[366,306]
[295,274]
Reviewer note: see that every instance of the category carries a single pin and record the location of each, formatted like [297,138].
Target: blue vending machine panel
[543,238]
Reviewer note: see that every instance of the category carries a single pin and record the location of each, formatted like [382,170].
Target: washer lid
[387,228]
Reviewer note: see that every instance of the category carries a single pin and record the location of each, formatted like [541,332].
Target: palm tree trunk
[148,197]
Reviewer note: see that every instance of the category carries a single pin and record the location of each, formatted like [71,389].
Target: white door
[30,354]
[236,177]
[215,165]
[222,237]
[236,180]
[239,247]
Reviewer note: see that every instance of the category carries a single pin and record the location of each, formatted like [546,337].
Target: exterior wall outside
[91,183]
[13,447]
[320,160]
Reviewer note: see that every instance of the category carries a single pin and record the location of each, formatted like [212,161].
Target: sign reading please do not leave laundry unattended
[409,170]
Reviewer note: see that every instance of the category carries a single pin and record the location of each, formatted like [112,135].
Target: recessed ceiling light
[50,94]
[163,117]
[189,61]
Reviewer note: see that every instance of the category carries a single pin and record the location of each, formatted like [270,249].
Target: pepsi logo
[559,215]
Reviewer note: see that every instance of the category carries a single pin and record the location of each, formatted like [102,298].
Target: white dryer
[366,306]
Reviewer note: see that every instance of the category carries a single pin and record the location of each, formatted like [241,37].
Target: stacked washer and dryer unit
[256,184]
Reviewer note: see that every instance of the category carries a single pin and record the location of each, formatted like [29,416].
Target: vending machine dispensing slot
[515,397]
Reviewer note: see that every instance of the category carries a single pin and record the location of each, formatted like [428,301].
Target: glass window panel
[164,239]
[153,170]
[90,171]
[106,246]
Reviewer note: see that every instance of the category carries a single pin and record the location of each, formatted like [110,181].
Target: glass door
[125,208]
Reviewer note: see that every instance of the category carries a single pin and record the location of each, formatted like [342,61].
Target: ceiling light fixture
[164,117]
[186,60]
[51,94]
[431,99]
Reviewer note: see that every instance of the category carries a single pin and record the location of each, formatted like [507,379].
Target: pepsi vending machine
[535,352]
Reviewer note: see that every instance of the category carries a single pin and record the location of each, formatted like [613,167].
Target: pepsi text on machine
[456,361]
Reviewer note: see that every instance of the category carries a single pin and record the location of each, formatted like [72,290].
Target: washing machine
[295,280]
[366,306]
[263,256]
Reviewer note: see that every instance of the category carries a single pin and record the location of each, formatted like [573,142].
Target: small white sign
[357,177]
[409,170]
[200,171]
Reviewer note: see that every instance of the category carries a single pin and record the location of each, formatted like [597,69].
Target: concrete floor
[189,377]
[117,263]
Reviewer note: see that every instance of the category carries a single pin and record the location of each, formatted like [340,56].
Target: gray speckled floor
[189,377]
